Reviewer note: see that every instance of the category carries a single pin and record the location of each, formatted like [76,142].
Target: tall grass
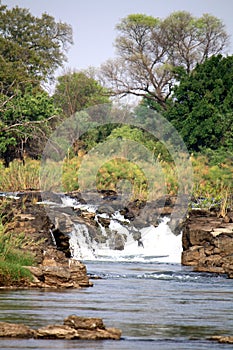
[13,257]
[213,183]
[20,176]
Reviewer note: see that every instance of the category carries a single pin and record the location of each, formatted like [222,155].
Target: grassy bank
[13,258]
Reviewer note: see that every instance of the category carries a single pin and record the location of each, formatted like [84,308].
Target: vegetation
[26,119]
[75,91]
[31,48]
[201,107]
[13,257]
[175,64]
[151,50]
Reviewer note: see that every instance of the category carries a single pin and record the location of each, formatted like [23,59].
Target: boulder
[14,330]
[91,328]
[78,322]
[56,271]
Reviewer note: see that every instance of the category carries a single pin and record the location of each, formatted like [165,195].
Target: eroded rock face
[74,327]
[57,271]
[208,242]
[54,267]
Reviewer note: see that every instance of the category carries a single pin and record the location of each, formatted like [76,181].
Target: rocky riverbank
[208,242]
[47,225]
[54,267]
[73,327]
[207,238]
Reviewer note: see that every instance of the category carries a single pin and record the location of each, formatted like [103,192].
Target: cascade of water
[81,245]
[120,241]
[157,244]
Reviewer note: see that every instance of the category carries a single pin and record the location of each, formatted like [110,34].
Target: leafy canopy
[75,91]
[149,50]
[202,105]
[31,48]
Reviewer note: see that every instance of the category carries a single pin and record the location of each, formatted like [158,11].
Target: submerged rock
[222,339]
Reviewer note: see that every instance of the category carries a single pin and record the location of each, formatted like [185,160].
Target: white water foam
[159,244]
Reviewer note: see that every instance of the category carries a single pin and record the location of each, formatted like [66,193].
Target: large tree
[201,106]
[150,49]
[26,120]
[31,48]
[75,91]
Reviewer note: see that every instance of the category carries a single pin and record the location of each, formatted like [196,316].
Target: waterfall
[109,236]
[158,244]
[81,246]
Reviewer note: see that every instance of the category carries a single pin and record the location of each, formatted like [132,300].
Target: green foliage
[150,49]
[13,258]
[192,40]
[76,91]
[202,105]
[26,120]
[212,180]
[144,139]
[31,48]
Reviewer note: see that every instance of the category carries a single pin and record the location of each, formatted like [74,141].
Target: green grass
[13,258]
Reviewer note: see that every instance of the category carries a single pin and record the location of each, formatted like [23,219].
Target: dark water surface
[158,306]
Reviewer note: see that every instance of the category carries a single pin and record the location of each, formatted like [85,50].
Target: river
[158,306]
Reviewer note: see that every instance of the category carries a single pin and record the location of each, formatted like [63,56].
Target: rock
[208,242]
[54,268]
[92,328]
[222,339]
[105,222]
[78,322]
[74,327]
[57,332]
[100,334]
[13,330]
[59,272]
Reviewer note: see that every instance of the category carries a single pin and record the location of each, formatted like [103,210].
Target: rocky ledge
[73,327]
[54,266]
[57,271]
[208,242]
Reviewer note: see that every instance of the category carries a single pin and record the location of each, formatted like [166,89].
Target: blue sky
[94,21]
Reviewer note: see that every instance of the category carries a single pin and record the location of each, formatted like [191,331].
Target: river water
[157,305]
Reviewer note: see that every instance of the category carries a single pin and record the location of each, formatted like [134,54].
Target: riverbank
[24,216]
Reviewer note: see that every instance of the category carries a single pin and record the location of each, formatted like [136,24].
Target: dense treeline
[175,65]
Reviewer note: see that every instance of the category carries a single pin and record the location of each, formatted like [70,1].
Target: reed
[20,175]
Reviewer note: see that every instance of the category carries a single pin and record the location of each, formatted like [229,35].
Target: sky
[94,21]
